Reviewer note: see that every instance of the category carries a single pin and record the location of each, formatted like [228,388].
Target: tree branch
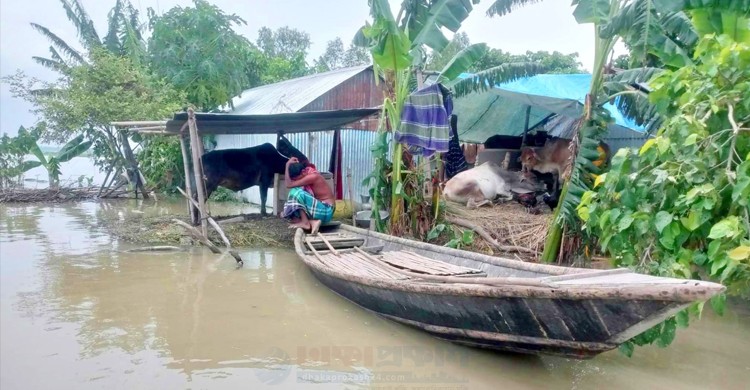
[487,237]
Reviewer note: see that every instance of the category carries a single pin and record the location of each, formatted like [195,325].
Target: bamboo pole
[328,244]
[198,171]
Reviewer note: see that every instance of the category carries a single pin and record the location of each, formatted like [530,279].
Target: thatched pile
[519,232]
[251,230]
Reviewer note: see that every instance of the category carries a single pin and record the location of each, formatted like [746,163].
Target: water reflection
[79,308]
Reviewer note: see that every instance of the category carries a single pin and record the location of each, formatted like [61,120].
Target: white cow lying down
[481,185]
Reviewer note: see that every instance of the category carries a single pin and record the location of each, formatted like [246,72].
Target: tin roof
[290,95]
[290,122]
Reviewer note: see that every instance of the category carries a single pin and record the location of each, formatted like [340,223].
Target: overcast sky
[548,25]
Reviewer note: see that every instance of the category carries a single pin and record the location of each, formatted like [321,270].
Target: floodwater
[78,311]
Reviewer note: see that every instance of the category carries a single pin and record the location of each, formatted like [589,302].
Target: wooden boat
[490,302]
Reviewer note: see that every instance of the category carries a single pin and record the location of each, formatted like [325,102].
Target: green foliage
[197,50]
[439,59]
[285,42]
[379,180]
[73,148]
[554,62]
[91,96]
[123,36]
[679,206]
[160,161]
[336,57]
[284,51]
[649,30]
[455,238]
[462,61]
[222,194]
[12,153]
[481,81]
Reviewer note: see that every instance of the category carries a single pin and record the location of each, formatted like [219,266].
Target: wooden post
[277,208]
[351,196]
[188,186]
[526,125]
[336,143]
[198,170]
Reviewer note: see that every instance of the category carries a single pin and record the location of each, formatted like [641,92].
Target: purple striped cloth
[425,123]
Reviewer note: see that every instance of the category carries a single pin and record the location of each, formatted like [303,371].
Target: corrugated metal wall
[355,146]
[618,138]
[359,91]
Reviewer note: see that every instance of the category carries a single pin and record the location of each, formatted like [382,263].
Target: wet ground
[78,311]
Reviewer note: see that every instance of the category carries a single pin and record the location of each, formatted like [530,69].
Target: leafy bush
[679,206]
[224,195]
[456,239]
[160,161]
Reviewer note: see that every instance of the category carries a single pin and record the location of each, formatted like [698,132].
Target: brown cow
[555,158]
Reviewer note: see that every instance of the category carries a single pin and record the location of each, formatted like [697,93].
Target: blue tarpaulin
[502,109]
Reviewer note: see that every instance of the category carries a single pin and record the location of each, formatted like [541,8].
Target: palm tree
[123,37]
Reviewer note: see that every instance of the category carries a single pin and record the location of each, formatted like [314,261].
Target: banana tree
[73,148]
[399,46]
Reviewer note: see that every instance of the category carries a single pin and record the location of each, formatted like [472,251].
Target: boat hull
[511,306]
[578,329]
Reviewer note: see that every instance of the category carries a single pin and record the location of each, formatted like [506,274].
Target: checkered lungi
[301,200]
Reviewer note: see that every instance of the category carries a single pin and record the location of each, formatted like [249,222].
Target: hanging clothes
[334,165]
[454,159]
[425,125]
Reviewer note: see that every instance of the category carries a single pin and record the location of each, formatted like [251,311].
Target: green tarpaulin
[502,110]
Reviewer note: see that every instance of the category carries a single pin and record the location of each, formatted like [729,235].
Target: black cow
[239,169]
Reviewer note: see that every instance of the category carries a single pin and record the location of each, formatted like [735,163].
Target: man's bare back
[321,190]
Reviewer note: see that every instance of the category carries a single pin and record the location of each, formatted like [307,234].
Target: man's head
[295,170]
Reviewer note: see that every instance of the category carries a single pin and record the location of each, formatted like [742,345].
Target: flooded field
[78,311]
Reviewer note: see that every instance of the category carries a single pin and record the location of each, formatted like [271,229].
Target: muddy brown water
[77,311]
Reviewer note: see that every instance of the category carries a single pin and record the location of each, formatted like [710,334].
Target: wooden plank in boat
[355,264]
[330,226]
[413,262]
[337,240]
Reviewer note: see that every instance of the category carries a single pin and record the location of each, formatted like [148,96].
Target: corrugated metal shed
[291,95]
[341,89]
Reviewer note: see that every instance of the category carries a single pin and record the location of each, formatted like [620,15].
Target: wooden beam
[138,123]
[139,129]
[198,171]
[188,184]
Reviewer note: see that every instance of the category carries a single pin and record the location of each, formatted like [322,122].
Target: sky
[548,25]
